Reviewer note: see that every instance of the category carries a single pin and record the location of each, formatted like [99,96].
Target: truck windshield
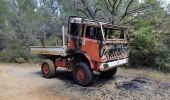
[111,33]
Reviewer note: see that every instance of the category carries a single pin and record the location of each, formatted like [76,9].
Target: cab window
[76,28]
[93,33]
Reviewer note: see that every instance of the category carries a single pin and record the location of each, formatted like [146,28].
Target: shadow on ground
[68,76]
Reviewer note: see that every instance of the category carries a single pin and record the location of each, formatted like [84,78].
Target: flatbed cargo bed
[48,50]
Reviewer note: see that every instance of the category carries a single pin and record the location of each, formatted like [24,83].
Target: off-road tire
[109,73]
[51,67]
[88,74]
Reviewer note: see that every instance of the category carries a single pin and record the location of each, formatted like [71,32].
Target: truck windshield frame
[119,31]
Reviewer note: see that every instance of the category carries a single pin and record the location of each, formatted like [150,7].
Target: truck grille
[116,52]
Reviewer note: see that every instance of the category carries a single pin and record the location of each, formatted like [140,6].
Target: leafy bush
[146,50]
[142,50]
[20,60]
[14,52]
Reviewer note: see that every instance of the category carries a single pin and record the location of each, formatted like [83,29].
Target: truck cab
[105,44]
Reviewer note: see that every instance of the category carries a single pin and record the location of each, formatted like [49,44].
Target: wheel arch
[85,58]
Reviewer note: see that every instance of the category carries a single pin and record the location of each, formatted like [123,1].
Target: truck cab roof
[86,21]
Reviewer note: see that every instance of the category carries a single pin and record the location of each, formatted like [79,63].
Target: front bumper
[112,64]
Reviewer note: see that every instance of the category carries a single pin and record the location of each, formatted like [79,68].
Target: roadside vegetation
[24,23]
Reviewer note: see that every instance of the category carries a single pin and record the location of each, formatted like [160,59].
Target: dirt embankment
[24,81]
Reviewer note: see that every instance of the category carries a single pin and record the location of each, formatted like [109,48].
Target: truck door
[91,40]
[74,36]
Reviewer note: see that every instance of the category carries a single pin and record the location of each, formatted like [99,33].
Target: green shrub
[14,53]
[146,50]
[20,60]
[142,50]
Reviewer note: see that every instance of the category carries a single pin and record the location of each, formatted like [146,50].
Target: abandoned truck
[90,46]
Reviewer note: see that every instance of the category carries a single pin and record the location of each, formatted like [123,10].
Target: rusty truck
[89,46]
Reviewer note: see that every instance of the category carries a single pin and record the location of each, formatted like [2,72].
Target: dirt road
[24,82]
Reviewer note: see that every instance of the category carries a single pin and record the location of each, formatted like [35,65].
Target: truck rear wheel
[48,68]
[109,73]
[82,74]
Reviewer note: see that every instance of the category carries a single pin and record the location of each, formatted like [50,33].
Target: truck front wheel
[82,74]
[48,68]
[109,73]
